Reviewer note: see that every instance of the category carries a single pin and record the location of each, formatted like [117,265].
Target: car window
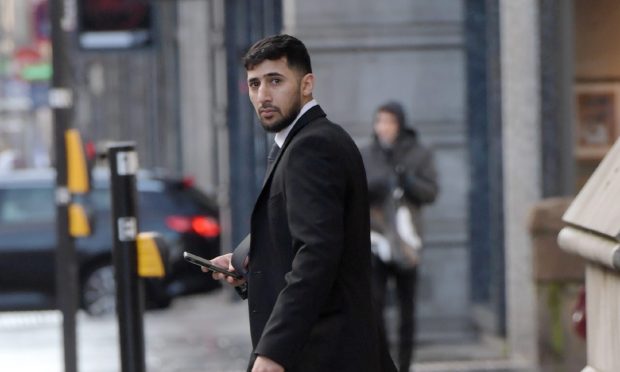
[100,199]
[169,200]
[27,204]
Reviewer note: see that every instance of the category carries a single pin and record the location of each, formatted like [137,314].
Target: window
[114,23]
[27,205]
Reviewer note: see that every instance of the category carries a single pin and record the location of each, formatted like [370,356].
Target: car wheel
[156,295]
[99,291]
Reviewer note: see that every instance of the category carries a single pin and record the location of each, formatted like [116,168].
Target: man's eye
[276,81]
[254,84]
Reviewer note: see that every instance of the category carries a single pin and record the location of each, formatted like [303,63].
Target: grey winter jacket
[408,165]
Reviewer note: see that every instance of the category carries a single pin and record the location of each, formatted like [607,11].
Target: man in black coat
[308,269]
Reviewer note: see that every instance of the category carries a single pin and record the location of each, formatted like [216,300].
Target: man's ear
[307,85]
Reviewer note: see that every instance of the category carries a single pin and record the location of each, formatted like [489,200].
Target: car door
[27,242]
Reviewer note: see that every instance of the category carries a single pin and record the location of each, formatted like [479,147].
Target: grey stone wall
[366,52]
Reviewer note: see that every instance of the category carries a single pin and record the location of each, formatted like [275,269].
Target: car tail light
[180,224]
[188,182]
[205,226]
[201,225]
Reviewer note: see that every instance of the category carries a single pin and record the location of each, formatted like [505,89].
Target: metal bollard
[123,161]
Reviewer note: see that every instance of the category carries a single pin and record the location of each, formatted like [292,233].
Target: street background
[200,333]
[516,98]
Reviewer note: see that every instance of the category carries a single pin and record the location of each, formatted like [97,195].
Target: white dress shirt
[281,135]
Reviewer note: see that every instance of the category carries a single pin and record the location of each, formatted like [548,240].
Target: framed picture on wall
[598,118]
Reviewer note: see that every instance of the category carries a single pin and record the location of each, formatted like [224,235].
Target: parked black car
[183,215]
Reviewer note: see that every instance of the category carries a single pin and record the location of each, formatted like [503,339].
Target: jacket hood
[396,109]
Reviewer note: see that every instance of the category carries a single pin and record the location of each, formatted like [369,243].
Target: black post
[123,161]
[61,101]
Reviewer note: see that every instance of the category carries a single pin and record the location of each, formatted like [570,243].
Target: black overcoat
[309,271]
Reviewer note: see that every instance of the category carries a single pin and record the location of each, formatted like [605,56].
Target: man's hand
[263,364]
[224,261]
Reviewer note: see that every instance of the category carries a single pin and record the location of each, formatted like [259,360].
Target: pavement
[198,333]
[202,333]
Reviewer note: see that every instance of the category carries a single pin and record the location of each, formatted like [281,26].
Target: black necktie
[271,159]
[273,154]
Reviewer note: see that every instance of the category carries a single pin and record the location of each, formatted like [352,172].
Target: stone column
[593,232]
[522,156]
[202,74]
[200,34]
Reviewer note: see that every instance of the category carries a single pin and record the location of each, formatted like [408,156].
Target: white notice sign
[127,229]
[126,163]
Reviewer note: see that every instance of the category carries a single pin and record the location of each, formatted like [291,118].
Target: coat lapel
[311,115]
[314,113]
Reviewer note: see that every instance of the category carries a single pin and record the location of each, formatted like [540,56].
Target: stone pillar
[593,232]
[522,168]
[199,32]
[202,75]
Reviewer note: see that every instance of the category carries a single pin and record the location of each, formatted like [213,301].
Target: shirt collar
[281,135]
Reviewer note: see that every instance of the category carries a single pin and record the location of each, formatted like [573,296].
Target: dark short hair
[278,46]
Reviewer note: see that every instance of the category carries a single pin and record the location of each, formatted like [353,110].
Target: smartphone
[197,260]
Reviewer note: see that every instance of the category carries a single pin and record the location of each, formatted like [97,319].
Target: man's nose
[264,95]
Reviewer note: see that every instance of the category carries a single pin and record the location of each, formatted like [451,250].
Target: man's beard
[286,120]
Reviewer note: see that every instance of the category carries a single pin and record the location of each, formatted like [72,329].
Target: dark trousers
[405,280]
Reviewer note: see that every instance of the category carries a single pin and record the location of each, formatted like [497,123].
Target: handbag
[399,243]
[410,241]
